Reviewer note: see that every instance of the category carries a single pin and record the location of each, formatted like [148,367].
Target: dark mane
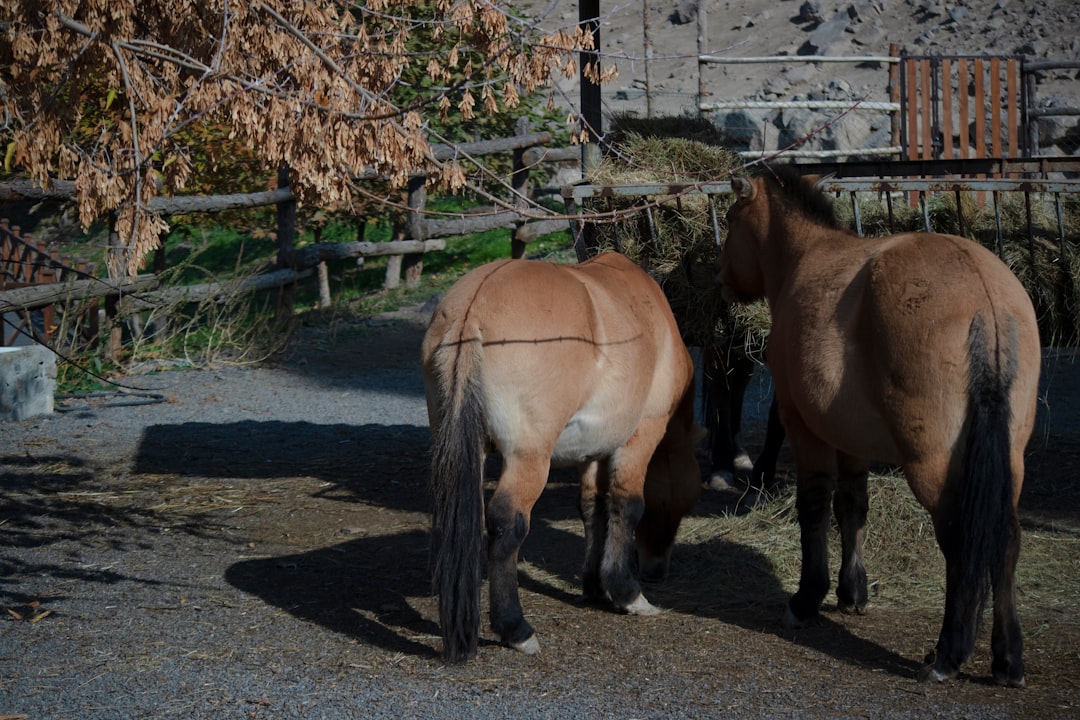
[786,183]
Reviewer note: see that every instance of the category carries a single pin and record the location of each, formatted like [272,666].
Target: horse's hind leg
[626,505]
[1006,641]
[522,480]
[962,602]
[592,503]
[850,507]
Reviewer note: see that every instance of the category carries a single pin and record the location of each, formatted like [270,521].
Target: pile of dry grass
[675,238]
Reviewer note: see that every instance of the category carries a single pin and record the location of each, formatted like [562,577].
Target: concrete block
[27,381]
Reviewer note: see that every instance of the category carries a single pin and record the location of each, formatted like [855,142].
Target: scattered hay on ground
[760,551]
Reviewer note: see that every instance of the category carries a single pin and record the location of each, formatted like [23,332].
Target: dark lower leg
[958,627]
[507,528]
[850,507]
[592,503]
[617,573]
[1007,642]
[812,504]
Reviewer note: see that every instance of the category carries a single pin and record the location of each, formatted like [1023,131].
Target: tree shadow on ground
[385,465]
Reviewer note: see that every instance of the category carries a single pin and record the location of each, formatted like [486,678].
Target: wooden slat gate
[24,263]
[961,107]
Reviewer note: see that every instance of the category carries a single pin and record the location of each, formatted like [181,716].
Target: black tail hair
[457,526]
[986,490]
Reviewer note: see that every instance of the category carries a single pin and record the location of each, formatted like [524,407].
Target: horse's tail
[986,492]
[458,508]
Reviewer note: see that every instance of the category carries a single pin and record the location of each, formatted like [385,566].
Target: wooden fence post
[519,183]
[286,241]
[112,304]
[413,265]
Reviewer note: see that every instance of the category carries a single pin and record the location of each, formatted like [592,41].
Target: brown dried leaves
[111,94]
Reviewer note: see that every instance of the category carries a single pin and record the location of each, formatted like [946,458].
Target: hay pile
[675,238]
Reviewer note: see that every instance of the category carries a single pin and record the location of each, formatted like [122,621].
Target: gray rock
[686,11]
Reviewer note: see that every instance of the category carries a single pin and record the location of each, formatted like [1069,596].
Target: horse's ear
[816,181]
[743,188]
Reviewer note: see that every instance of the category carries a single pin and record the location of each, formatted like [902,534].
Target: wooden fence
[46,293]
[23,264]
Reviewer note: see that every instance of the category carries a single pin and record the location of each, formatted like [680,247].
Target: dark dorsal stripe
[785,182]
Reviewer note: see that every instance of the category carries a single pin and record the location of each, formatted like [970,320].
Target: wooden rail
[418,234]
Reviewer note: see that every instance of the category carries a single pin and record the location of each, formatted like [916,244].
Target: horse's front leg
[520,485]
[850,506]
[592,504]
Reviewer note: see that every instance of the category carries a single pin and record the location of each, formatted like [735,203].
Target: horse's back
[881,328]
[568,355]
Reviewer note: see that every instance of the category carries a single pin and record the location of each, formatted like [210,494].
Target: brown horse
[555,365]
[919,350]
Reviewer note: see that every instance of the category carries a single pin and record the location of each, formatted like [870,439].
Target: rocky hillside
[1044,30]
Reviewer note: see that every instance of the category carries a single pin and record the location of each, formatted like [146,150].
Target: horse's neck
[795,248]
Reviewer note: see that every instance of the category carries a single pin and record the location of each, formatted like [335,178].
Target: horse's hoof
[1006,681]
[641,606]
[929,673]
[851,608]
[721,480]
[743,463]
[791,621]
[529,646]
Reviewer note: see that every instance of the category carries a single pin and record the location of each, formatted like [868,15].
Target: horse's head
[747,228]
[672,488]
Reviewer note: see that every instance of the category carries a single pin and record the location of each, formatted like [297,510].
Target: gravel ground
[254,546]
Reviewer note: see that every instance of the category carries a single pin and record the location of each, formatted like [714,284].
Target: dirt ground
[255,545]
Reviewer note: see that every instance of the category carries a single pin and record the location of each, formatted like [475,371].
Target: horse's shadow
[709,580]
[359,589]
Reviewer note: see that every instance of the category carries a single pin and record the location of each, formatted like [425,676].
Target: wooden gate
[958,107]
[22,264]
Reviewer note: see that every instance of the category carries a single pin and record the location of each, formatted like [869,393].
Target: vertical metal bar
[652,229]
[1060,221]
[946,110]
[997,220]
[892,218]
[925,210]
[855,209]
[959,213]
[1030,232]
[715,220]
